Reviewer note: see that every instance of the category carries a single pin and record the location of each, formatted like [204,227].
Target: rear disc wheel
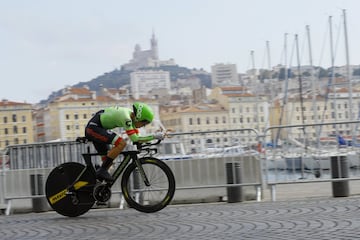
[65,202]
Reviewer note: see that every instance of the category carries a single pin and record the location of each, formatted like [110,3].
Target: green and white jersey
[114,117]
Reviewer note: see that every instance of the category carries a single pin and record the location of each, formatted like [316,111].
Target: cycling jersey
[113,117]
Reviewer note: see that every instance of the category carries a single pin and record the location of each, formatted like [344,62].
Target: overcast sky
[47,45]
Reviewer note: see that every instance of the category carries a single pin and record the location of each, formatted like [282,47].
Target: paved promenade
[315,218]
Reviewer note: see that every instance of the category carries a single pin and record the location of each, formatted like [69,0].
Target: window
[190,121]
[216,120]
[14,118]
[67,116]
[5,119]
[15,129]
[6,131]
[76,116]
[85,116]
[198,121]
[224,119]
[23,118]
[24,129]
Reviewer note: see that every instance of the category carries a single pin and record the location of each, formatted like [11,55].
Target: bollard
[37,188]
[339,169]
[233,174]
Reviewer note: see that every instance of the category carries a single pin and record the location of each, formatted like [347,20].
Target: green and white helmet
[143,112]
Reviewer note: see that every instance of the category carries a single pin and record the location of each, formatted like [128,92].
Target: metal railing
[302,162]
[200,173]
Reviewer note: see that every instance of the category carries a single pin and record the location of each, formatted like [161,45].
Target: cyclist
[98,130]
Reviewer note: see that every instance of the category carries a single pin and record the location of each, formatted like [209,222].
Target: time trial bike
[147,183]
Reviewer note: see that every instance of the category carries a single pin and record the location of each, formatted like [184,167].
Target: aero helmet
[143,112]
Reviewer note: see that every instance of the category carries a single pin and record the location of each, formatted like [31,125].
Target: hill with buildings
[120,78]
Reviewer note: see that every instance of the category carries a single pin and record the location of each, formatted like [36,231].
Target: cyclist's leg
[119,145]
[101,138]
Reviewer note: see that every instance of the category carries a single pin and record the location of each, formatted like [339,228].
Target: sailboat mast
[254,87]
[300,86]
[349,77]
[313,87]
[333,74]
[285,97]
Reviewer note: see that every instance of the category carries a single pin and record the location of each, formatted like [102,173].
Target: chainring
[102,192]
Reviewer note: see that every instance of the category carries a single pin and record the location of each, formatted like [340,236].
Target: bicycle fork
[125,162]
[142,172]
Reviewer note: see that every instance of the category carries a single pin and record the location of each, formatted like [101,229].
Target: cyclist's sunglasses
[145,122]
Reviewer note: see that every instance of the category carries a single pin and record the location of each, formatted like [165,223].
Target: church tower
[154,47]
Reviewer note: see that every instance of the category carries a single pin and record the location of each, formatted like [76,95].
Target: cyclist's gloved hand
[159,136]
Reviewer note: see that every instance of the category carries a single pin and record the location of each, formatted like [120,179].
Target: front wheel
[154,197]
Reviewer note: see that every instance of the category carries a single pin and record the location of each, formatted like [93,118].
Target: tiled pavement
[316,218]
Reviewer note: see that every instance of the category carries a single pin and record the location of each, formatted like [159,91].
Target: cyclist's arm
[135,137]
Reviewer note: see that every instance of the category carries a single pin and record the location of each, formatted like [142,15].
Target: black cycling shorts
[100,136]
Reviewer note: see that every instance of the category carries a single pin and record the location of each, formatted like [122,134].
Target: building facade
[245,110]
[197,118]
[142,82]
[335,107]
[16,123]
[224,75]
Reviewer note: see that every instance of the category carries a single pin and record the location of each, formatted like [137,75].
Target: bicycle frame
[128,155]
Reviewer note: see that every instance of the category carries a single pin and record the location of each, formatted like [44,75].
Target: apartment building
[245,110]
[142,82]
[334,107]
[224,75]
[197,118]
[16,123]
